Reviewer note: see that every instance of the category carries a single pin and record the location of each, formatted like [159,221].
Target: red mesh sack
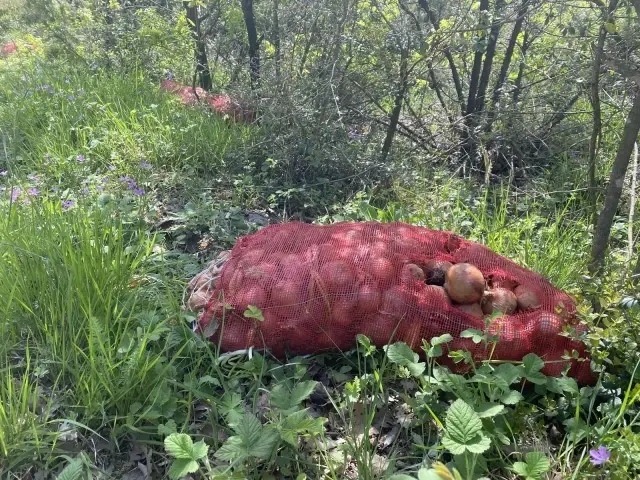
[319,286]
[219,103]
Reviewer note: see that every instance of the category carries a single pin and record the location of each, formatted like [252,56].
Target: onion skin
[411,271]
[526,298]
[464,283]
[473,309]
[499,299]
[435,271]
[436,291]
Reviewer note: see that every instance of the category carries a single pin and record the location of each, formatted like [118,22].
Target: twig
[632,205]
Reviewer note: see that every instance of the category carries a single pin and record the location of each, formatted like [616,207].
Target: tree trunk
[596,131]
[254,48]
[506,63]
[276,40]
[475,70]
[517,85]
[397,105]
[614,188]
[424,4]
[488,58]
[202,62]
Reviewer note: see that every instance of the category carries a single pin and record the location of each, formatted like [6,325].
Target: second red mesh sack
[318,286]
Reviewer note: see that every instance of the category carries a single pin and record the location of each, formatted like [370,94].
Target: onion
[252,257]
[464,283]
[432,292]
[255,296]
[548,325]
[285,292]
[382,269]
[368,299]
[411,271]
[436,271]
[395,301]
[499,299]
[473,309]
[341,313]
[338,274]
[197,301]
[526,298]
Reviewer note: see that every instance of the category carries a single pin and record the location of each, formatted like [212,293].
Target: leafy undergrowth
[113,195]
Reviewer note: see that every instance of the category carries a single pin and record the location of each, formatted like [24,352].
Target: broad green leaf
[209,379]
[535,465]
[231,408]
[286,400]
[511,398]
[487,410]
[179,445]
[401,354]
[475,335]
[182,467]
[462,423]
[298,423]
[611,27]
[167,428]
[446,338]
[481,445]
[509,372]
[264,446]
[563,385]
[532,366]
[73,471]
[200,450]
[254,312]
[231,450]
[249,430]
[463,430]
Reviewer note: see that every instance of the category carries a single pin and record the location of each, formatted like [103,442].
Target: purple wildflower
[15,193]
[145,165]
[170,75]
[138,191]
[80,158]
[3,173]
[34,178]
[66,204]
[34,192]
[105,179]
[126,178]
[132,185]
[55,189]
[71,98]
[599,456]
[99,188]
[112,167]
[85,191]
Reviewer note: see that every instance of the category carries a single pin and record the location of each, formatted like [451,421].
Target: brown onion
[411,271]
[436,291]
[527,299]
[499,299]
[473,309]
[464,283]
[435,271]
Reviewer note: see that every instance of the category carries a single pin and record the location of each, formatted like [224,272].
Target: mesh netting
[219,103]
[319,286]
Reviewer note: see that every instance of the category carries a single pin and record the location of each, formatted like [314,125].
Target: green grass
[95,347]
